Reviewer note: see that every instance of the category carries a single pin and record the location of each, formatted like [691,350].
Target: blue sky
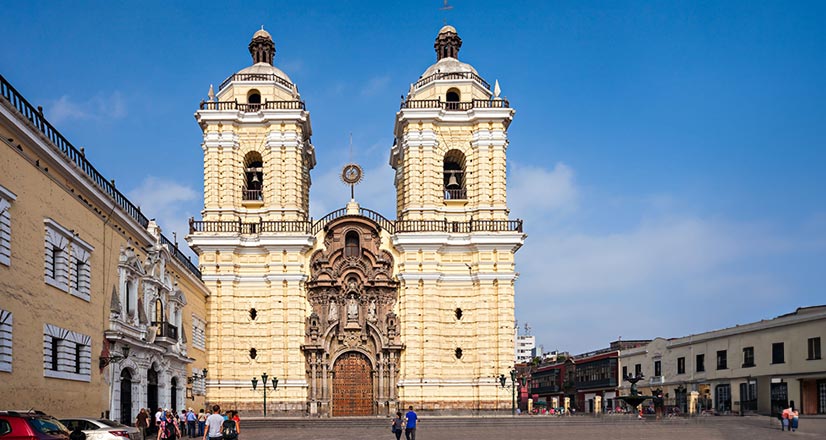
[667,157]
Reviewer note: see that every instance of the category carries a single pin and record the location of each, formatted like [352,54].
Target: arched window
[254,100]
[453,97]
[351,244]
[253,176]
[454,175]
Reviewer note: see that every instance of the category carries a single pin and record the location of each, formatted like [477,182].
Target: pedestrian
[397,425]
[785,418]
[142,422]
[181,419]
[237,421]
[410,428]
[159,414]
[201,422]
[191,423]
[168,429]
[213,423]
[793,418]
[229,427]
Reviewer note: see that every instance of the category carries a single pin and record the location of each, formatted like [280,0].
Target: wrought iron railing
[252,194]
[451,75]
[183,259]
[256,77]
[251,108]
[75,156]
[454,105]
[166,330]
[313,228]
[455,194]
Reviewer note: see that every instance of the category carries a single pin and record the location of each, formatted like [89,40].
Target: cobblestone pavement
[705,428]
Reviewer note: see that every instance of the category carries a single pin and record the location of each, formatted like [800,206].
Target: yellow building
[356,314]
[91,293]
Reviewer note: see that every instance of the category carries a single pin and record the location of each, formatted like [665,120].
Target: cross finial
[445,8]
[262,27]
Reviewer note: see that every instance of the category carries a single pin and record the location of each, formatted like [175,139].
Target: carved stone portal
[352,293]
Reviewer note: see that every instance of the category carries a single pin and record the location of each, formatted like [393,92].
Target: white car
[102,429]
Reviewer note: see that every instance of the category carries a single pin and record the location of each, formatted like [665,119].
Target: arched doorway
[126,397]
[173,395]
[152,389]
[352,385]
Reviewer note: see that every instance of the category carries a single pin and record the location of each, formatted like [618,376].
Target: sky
[667,157]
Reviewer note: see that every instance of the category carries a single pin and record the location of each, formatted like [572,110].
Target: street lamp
[264,377]
[503,384]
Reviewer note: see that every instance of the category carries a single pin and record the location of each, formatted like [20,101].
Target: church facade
[355,313]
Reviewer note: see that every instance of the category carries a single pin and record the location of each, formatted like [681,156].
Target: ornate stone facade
[356,314]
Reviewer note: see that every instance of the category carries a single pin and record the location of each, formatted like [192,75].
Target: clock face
[351,174]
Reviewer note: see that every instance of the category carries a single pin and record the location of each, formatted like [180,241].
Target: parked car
[31,425]
[102,429]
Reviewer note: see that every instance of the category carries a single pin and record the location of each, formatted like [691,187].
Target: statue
[371,311]
[352,309]
[332,313]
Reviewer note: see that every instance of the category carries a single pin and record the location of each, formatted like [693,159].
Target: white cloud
[535,191]
[97,107]
[168,202]
[375,85]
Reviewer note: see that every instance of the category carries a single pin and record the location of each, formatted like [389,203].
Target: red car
[31,425]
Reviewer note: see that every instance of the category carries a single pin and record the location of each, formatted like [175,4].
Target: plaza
[523,427]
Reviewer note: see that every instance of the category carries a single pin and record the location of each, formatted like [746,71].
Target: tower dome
[447,47]
[262,47]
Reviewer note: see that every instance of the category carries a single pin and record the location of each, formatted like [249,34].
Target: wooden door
[352,386]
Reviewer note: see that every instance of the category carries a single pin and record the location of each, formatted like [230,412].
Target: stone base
[304,409]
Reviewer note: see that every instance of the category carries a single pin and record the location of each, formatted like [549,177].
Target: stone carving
[352,309]
[371,311]
[332,312]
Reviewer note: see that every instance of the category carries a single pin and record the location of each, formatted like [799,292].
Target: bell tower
[257,149]
[451,140]
[255,232]
[456,243]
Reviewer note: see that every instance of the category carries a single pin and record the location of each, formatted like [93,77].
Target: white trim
[6,340]
[68,341]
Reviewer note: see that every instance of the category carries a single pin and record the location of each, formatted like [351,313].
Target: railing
[455,194]
[252,194]
[251,108]
[238,227]
[459,227]
[454,105]
[385,224]
[256,77]
[166,330]
[38,121]
[451,75]
[183,259]
[313,228]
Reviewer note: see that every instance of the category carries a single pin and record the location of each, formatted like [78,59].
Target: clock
[351,174]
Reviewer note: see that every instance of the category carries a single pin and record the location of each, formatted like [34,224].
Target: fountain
[635,398]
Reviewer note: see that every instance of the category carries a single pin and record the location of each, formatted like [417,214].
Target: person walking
[237,421]
[191,421]
[212,426]
[201,422]
[412,421]
[168,429]
[397,424]
[142,422]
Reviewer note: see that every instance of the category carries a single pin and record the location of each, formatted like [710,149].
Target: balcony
[454,105]
[455,194]
[252,108]
[451,76]
[166,330]
[268,77]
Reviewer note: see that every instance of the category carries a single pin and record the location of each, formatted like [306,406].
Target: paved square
[704,428]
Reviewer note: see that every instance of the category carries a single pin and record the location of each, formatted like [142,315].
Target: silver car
[102,429]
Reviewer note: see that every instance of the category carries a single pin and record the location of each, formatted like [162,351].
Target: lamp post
[264,377]
[503,384]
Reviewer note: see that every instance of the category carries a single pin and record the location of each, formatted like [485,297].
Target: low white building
[757,367]
[525,348]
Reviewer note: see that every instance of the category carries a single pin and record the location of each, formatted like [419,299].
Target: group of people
[169,425]
[407,424]
[789,418]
